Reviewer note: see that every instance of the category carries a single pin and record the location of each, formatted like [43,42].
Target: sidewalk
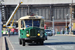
[1,40]
[64,35]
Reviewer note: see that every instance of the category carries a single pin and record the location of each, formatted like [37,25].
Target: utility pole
[71,18]
[71,15]
[53,25]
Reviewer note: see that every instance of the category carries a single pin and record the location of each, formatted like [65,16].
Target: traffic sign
[70,27]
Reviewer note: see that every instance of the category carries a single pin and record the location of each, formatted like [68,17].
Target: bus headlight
[38,34]
[27,35]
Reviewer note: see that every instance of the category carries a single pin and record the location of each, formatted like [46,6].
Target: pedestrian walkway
[64,35]
[1,40]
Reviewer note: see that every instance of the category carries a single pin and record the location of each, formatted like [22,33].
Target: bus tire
[37,42]
[46,38]
[23,42]
[20,41]
[41,42]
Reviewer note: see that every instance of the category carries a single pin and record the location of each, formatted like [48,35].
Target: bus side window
[22,24]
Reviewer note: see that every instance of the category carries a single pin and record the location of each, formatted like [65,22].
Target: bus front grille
[33,33]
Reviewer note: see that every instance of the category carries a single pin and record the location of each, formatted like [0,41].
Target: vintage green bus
[31,29]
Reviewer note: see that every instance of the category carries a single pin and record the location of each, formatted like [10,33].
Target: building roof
[31,2]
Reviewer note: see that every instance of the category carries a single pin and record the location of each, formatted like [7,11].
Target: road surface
[53,43]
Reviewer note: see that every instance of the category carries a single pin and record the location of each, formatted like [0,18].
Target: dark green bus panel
[23,33]
[32,34]
[32,31]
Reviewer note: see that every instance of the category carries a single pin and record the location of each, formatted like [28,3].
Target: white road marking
[3,44]
[10,44]
[51,47]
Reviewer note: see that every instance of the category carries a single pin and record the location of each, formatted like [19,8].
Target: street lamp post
[66,23]
[53,24]
[71,15]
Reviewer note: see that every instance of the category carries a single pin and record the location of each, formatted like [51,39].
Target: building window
[47,13]
[60,12]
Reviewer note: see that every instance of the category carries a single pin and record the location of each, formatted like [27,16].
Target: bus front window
[28,23]
[36,23]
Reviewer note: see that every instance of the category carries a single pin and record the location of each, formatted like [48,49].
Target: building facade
[46,8]
[0,21]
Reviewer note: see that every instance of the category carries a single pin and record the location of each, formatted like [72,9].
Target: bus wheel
[23,42]
[20,41]
[41,42]
[37,42]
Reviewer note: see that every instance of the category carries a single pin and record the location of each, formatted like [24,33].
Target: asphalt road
[53,43]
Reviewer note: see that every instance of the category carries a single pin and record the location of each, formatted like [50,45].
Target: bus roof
[32,17]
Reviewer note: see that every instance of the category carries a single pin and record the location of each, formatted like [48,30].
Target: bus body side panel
[23,33]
